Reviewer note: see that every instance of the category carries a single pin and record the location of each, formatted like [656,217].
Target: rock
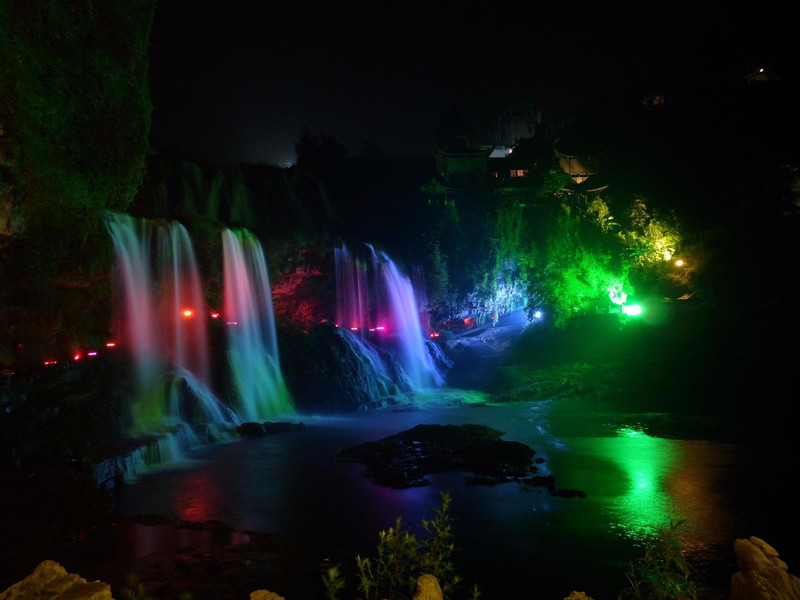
[250,429]
[402,460]
[428,588]
[578,596]
[50,581]
[762,574]
[277,427]
[265,595]
[568,493]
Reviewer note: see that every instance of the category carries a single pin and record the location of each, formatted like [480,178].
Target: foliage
[134,590]
[334,582]
[73,140]
[662,573]
[580,263]
[438,279]
[651,237]
[402,558]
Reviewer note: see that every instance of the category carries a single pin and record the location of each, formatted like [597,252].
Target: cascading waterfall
[252,342]
[163,323]
[377,302]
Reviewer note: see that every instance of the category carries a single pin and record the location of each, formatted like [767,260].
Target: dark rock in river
[403,460]
[250,429]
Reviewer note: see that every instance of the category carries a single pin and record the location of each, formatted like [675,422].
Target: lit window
[519,172]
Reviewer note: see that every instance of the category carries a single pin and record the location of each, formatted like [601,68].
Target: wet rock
[403,460]
[280,427]
[326,373]
[762,574]
[428,588]
[568,493]
[250,429]
[540,481]
[50,581]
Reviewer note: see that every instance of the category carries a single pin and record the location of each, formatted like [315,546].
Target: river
[509,539]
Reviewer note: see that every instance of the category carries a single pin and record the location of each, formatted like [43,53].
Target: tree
[76,106]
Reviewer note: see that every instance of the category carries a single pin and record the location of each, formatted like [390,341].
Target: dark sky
[235,81]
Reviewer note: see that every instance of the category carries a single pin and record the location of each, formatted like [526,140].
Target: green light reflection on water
[646,505]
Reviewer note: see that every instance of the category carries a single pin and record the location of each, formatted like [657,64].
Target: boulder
[762,574]
[428,588]
[250,429]
[578,596]
[265,595]
[50,581]
[277,427]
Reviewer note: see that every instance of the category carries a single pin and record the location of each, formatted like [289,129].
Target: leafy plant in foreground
[663,573]
[402,558]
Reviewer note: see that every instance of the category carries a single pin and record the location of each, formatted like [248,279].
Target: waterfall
[377,302]
[162,324]
[252,343]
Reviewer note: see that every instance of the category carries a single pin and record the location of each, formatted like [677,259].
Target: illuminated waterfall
[163,323]
[252,344]
[377,302]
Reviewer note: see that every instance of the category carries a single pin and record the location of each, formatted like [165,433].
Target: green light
[632,310]
[616,295]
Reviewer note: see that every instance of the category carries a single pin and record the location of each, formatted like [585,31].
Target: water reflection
[197,497]
[646,506]
[661,481]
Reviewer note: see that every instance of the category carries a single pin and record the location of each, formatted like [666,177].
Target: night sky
[234,82]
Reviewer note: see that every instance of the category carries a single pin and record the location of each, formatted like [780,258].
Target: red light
[215,315]
[434,334]
[50,362]
[78,356]
[187,313]
[111,344]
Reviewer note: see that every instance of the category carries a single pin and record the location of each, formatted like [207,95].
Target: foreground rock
[762,574]
[403,460]
[50,581]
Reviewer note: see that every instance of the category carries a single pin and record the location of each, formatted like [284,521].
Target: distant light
[77,356]
[92,353]
[215,315]
[372,329]
[187,313]
[231,322]
[679,263]
[50,362]
[761,70]
[380,328]
[354,329]
[111,344]
[632,310]
[434,334]
[538,314]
